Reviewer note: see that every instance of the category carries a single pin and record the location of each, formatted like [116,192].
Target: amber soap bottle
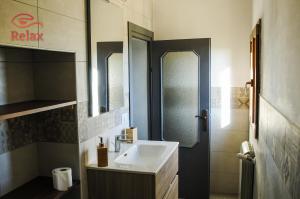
[102,154]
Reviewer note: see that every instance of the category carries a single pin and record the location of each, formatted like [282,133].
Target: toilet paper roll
[62,178]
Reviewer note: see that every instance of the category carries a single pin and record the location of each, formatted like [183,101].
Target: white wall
[17,167]
[278,147]
[228,24]
[280,66]
[16,76]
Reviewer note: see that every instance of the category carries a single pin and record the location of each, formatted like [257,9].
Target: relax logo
[24,20]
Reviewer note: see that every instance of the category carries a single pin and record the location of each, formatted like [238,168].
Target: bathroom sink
[145,169]
[146,155]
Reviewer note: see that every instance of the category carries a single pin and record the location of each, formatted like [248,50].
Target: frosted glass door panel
[115,81]
[180,84]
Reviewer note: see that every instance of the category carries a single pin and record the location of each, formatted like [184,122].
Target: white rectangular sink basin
[146,155]
[142,156]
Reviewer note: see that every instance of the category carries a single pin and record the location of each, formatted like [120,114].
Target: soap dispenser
[102,154]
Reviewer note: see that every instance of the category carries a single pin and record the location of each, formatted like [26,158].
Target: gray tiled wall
[28,74]
[38,159]
[278,155]
[15,69]
[17,167]
[55,155]
[16,133]
[58,126]
[64,30]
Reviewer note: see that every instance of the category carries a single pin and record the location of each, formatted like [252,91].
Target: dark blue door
[180,96]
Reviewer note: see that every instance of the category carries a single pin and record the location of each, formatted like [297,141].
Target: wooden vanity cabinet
[166,175]
[172,192]
[104,184]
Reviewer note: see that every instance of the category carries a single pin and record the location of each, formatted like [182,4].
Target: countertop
[153,168]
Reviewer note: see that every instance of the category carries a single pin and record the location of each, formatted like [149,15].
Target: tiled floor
[223,196]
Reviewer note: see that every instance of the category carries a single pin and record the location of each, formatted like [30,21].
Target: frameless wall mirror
[106,56]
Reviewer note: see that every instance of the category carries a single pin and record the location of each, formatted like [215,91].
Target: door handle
[249,83]
[204,118]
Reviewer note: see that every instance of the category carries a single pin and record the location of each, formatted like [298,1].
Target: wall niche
[38,121]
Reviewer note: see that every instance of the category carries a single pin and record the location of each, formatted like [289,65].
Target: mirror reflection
[107,54]
[115,79]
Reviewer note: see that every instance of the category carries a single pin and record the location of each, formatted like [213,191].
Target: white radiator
[247,164]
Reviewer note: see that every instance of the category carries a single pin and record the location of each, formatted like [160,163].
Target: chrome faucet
[118,140]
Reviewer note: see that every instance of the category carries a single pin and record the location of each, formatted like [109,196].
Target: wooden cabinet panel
[172,193]
[255,44]
[127,185]
[166,175]
[116,185]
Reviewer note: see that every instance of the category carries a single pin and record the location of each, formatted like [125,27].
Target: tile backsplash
[237,96]
[277,151]
[58,126]
[17,132]
[89,127]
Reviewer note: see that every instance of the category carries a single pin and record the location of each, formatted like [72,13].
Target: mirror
[106,56]
[110,67]
[139,42]
[115,79]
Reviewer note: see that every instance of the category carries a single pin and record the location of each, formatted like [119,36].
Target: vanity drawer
[172,193]
[166,175]
[122,184]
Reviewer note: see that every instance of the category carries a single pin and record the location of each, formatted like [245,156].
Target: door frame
[138,32]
